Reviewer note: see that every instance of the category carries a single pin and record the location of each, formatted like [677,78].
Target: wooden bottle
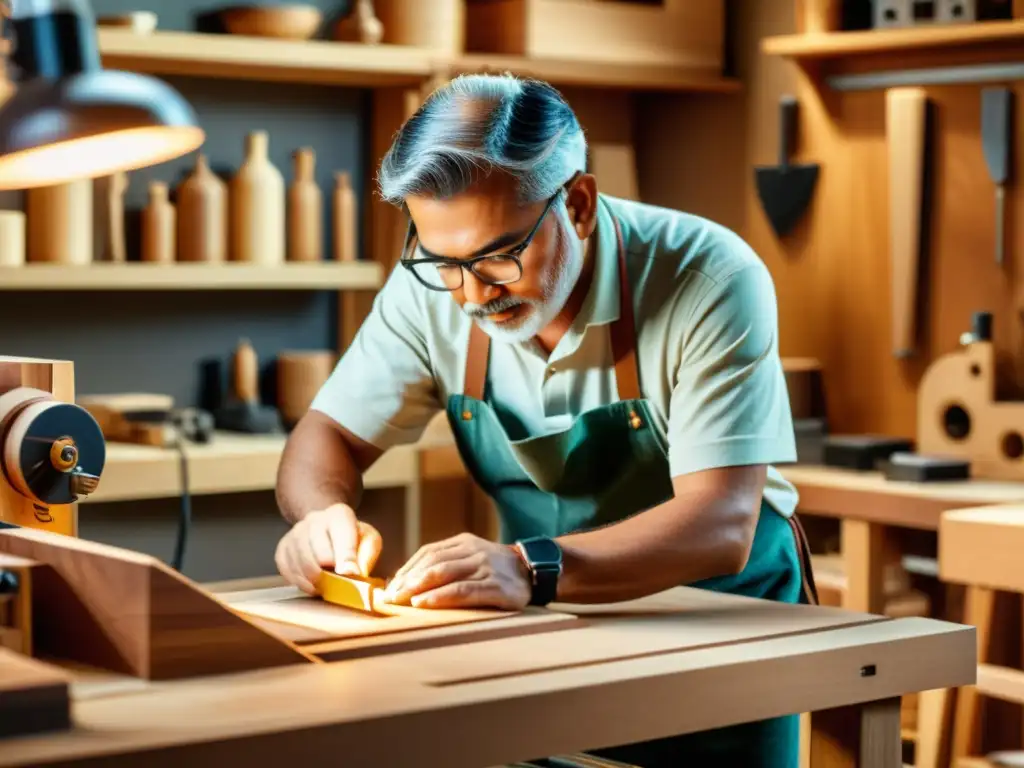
[203,215]
[305,209]
[60,223]
[109,219]
[256,198]
[360,25]
[158,225]
[344,218]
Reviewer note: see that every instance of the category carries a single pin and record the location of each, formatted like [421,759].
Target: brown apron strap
[622,333]
[804,552]
[476,362]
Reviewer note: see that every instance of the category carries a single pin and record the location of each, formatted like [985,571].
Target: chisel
[996,138]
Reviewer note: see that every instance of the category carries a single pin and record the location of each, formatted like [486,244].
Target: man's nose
[477,291]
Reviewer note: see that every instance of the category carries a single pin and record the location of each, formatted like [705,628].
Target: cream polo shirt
[707,346]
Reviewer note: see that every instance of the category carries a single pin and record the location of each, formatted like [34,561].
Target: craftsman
[611,374]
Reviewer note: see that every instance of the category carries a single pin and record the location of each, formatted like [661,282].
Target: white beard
[538,313]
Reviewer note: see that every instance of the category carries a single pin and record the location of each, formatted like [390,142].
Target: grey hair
[478,124]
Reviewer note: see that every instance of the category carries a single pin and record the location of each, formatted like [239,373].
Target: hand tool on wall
[906,118]
[785,190]
[996,142]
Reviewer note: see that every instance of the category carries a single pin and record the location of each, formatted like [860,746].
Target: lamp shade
[71,119]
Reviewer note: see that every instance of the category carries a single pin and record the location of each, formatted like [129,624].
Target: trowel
[786,189]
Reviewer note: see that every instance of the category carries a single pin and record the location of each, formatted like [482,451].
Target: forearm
[682,541]
[318,469]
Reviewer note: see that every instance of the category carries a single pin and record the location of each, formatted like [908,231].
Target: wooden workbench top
[677,662]
[869,496]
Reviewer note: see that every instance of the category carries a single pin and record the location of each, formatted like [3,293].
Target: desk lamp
[71,119]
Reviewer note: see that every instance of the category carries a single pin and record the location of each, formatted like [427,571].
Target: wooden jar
[300,375]
[438,25]
[60,223]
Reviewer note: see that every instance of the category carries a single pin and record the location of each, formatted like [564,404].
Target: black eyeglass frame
[470,264]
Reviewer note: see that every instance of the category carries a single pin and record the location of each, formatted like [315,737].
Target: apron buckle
[635,421]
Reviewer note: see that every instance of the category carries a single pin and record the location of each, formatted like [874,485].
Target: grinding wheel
[51,452]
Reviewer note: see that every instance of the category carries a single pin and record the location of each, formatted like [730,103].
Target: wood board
[325,622]
[126,612]
[34,697]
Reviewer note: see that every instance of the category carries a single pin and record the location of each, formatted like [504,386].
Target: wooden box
[684,33]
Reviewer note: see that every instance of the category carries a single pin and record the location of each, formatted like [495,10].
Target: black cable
[185,515]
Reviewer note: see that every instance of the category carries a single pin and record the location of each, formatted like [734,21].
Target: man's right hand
[328,538]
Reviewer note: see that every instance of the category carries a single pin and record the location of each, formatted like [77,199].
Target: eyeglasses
[446,274]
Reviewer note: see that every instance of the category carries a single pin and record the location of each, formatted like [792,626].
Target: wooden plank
[34,696]
[261,58]
[144,276]
[600,74]
[232,463]
[307,710]
[983,547]
[291,606]
[869,496]
[129,613]
[939,37]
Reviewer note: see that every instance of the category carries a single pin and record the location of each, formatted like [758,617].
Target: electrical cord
[185,511]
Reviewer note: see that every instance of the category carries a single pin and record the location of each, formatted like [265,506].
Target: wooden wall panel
[832,274]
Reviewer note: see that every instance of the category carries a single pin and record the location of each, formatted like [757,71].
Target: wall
[831,275]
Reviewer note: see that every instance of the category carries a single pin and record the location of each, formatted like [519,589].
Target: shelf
[982,52]
[238,463]
[135,276]
[598,74]
[259,58]
[939,40]
[369,66]
[231,463]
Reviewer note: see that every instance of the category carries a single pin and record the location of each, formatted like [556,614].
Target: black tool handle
[996,131]
[788,114]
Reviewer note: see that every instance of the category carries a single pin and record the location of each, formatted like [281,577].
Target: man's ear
[582,205]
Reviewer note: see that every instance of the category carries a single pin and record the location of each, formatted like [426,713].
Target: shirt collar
[602,303]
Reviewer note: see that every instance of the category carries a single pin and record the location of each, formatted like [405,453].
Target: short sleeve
[383,389]
[729,404]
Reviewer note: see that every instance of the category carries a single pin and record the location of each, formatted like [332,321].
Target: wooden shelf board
[834,45]
[260,58]
[598,73]
[105,276]
[231,463]
[236,463]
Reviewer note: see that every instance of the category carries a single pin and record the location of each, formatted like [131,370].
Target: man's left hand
[464,571]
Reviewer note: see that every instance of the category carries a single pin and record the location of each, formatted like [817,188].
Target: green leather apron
[609,465]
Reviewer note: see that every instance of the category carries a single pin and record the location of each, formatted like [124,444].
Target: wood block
[34,697]
[129,613]
[982,546]
[349,591]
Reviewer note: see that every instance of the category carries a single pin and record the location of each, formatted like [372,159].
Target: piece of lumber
[34,696]
[127,612]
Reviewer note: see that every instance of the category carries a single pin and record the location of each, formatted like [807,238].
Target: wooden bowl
[289,22]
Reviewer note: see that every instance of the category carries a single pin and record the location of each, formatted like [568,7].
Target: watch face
[542,551]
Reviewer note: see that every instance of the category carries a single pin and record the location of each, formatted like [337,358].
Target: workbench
[681,661]
[869,507]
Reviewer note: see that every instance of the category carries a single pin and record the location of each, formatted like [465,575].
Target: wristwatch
[543,557]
